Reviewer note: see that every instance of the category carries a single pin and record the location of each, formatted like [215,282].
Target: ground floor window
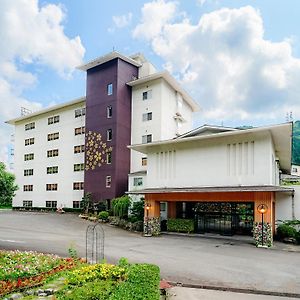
[27,203]
[76,204]
[51,204]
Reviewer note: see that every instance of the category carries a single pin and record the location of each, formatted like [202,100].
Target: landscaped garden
[32,274]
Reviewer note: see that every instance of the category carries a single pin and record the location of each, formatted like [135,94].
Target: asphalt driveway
[181,259]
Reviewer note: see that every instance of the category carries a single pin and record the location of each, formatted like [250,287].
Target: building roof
[172,82]
[210,129]
[215,189]
[281,135]
[105,58]
[46,110]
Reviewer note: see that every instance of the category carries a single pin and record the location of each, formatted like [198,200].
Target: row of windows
[53,136]
[28,172]
[50,204]
[52,120]
[52,153]
[29,156]
[54,186]
[29,141]
[78,167]
[52,170]
[55,119]
[79,112]
[80,130]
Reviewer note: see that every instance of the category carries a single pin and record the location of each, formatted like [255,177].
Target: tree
[7,186]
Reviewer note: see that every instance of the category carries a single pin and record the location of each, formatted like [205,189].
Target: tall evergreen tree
[7,186]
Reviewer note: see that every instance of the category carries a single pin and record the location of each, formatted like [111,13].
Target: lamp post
[262,209]
[147,217]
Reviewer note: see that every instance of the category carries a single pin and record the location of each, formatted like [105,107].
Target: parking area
[195,260]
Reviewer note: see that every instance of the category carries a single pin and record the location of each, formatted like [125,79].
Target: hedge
[180,225]
[142,284]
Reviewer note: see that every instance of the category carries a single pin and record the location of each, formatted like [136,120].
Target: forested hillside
[296,144]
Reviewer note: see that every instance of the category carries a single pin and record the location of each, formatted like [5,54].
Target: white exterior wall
[131,186]
[163,106]
[284,205]
[65,161]
[230,161]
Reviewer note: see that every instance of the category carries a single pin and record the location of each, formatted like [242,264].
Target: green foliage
[120,206]
[137,211]
[296,143]
[286,231]
[123,262]
[7,187]
[142,284]
[180,225]
[103,215]
[86,202]
[73,252]
[98,289]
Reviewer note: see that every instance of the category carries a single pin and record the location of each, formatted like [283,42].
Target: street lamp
[148,205]
[262,209]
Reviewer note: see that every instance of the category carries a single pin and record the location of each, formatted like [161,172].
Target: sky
[240,60]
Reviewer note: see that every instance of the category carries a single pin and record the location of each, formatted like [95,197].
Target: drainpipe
[293,205]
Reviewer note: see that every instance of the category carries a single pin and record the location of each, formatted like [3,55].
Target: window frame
[147,138]
[109,89]
[108,181]
[109,135]
[137,181]
[147,116]
[27,203]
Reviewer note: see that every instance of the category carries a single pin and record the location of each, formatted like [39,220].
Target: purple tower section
[108,129]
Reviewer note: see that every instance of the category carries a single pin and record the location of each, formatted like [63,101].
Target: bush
[142,284]
[137,211]
[286,231]
[180,225]
[120,207]
[103,215]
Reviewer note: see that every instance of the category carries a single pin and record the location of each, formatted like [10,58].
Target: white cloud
[123,20]
[30,35]
[224,60]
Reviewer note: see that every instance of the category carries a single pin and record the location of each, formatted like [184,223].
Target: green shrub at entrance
[180,225]
[286,231]
[103,216]
[142,284]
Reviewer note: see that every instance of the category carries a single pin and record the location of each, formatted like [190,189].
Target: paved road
[181,259]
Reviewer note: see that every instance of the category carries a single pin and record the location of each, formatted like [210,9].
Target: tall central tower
[108,125]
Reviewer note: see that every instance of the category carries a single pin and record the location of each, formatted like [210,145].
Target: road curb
[234,290]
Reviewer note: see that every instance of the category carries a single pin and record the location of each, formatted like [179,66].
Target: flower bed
[20,270]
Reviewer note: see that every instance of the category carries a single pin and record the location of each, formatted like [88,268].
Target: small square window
[108,158]
[144,161]
[27,203]
[147,95]
[147,138]
[109,134]
[76,204]
[109,112]
[108,181]
[110,89]
[147,116]
[137,181]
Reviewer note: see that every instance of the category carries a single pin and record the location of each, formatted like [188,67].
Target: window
[52,153]
[30,126]
[147,116]
[294,169]
[51,204]
[147,138]
[147,95]
[28,172]
[79,130]
[53,120]
[78,167]
[29,141]
[27,203]
[137,181]
[51,186]
[108,158]
[144,161]
[79,112]
[53,136]
[28,188]
[109,89]
[29,156]
[108,181]
[78,186]
[163,206]
[52,170]
[76,204]
[79,149]
[109,134]
[109,112]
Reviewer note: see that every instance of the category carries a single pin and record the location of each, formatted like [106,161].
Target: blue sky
[239,59]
